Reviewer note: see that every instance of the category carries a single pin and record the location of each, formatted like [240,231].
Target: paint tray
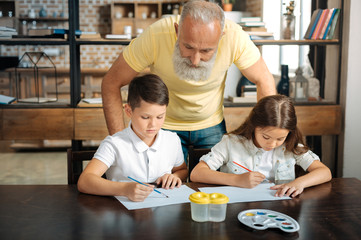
[262,219]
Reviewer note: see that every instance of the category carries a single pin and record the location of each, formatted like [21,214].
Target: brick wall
[93,16]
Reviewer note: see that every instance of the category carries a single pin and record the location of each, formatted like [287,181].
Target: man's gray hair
[202,11]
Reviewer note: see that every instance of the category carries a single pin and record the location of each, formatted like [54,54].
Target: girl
[268,144]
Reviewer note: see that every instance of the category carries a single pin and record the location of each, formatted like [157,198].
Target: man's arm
[259,74]
[119,75]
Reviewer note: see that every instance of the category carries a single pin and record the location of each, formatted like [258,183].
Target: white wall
[352,143]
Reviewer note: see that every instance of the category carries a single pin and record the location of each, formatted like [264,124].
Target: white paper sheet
[176,196]
[262,192]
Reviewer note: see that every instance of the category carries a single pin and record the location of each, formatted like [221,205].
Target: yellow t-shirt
[193,105]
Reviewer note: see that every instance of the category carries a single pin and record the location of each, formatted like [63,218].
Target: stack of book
[6,32]
[248,94]
[255,28]
[251,22]
[249,91]
[6,99]
[323,24]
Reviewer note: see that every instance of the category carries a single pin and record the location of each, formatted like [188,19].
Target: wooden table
[329,211]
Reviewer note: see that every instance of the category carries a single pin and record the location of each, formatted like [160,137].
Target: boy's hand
[169,181]
[250,179]
[137,192]
[291,189]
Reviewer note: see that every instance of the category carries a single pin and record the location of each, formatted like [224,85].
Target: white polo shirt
[127,155]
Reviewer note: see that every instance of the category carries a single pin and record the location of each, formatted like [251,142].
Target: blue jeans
[203,138]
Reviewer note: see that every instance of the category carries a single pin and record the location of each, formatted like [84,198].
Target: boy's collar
[138,143]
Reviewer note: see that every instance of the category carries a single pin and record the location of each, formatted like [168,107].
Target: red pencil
[266,180]
[242,166]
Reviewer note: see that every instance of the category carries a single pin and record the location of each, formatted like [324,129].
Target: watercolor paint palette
[262,219]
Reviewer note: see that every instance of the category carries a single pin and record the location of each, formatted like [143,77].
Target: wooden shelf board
[296,42]
[43,19]
[34,41]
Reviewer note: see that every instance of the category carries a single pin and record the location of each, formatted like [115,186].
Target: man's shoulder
[165,24]
[228,24]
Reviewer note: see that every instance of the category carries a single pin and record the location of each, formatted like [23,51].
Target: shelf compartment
[48,123]
[312,120]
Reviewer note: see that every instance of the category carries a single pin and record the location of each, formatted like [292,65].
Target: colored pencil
[248,170]
[155,190]
[242,166]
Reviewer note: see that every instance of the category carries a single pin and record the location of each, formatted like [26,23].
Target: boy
[142,151]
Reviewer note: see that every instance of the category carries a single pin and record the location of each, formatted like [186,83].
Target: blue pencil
[147,186]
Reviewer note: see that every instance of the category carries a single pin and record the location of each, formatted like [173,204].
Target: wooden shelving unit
[81,121]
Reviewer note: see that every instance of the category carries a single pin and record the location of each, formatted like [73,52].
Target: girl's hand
[137,192]
[169,181]
[250,179]
[291,189]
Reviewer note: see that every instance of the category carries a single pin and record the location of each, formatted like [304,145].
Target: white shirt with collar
[234,148]
[126,154]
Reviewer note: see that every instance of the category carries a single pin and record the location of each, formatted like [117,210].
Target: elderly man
[191,53]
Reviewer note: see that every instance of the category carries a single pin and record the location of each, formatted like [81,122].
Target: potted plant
[227,5]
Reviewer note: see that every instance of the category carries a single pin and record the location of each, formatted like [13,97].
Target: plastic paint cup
[218,207]
[208,207]
[199,206]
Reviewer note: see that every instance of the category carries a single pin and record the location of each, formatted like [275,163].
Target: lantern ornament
[31,86]
[299,87]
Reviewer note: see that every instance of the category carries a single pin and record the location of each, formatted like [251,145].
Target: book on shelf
[265,34]
[250,19]
[334,10]
[7,33]
[320,23]
[249,88]
[257,37]
[249,94]
[251,99]
[7,29]
[323,23]
[118,36]
[254,29]
[334,24]
[252,24]
[324,26]
[261,35]
[6,99]
[314,19]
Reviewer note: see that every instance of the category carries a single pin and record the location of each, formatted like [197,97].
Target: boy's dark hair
[275,111]
[148,87]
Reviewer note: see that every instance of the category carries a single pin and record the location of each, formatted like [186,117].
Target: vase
[288,26]
[283,85]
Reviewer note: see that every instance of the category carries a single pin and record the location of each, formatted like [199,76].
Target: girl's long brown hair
[274,111]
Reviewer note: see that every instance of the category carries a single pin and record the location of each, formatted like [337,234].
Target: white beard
[183,69]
